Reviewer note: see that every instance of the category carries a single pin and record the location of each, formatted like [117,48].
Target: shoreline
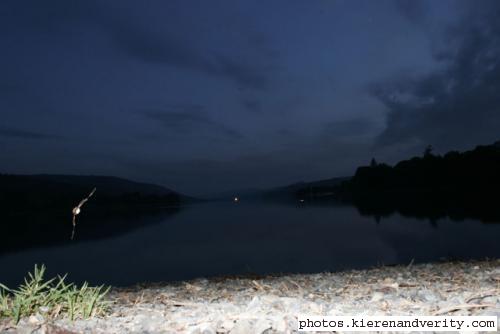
[270,304]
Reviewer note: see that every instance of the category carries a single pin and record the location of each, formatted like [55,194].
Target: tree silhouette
[428,151]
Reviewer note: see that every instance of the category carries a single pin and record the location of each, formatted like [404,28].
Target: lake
[214,239]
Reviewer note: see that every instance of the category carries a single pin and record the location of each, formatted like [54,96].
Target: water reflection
[218,239]
[431,208]
[51,228]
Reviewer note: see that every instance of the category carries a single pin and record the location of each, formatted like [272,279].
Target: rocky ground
[271,304]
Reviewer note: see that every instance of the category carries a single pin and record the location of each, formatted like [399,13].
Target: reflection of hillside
[430,206]
[47,228]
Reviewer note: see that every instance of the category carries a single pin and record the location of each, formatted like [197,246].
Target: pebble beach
[270,304]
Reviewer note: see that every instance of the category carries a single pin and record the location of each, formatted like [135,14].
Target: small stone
[255,303]
[25,330]
[209,330]
[226,326]
[44,309]
[291,322]
[377,296]
[491,300]
[195,331]
[281,325]
[315,309]
[242,326]
[35,319]
[427,296]
[261,325]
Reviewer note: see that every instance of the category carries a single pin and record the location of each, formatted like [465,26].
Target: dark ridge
[302,190]
[458,185]
[26,193]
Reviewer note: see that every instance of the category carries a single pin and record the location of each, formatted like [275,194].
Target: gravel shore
[238,305]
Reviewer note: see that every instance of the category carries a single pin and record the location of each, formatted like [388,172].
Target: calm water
[225,238]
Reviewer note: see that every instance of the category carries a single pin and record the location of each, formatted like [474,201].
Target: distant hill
[476,171]
[306,190]
[245,193]
[19,193]
[291,191]
[457,184]
[108,185]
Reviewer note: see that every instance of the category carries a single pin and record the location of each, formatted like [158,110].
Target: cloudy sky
[206,96]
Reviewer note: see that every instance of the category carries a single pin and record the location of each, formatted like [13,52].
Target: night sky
[206,96]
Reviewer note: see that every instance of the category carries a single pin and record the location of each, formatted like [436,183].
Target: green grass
[53,298]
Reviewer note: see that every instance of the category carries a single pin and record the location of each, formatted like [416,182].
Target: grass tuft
[53,298]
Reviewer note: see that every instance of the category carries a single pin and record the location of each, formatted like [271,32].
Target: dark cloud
[19,98]
[153,47]
[255,169]
[459,105]
[39,15]
[181,117]
[163,48]
[189,119]
[252,105]
[349,128]
[168,44]
[245,74]
[274,87]
[159,42]
[412,10]
[7,132]
[7,89]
